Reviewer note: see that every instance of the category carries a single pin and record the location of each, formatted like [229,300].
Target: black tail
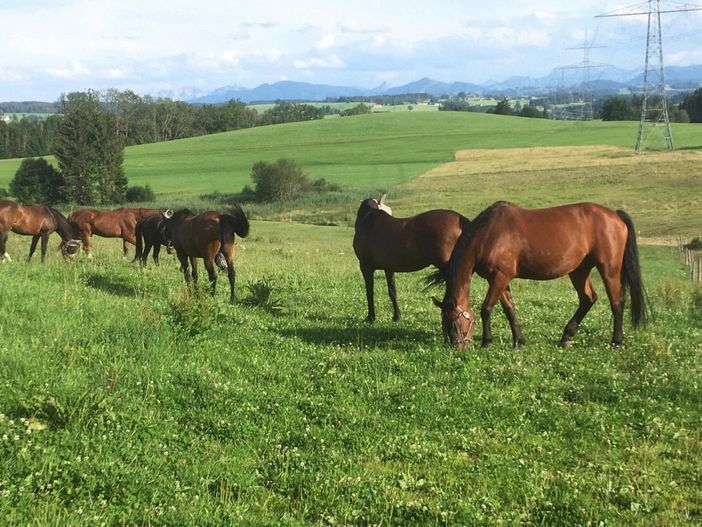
[631,274]
[236,222]
[139,254]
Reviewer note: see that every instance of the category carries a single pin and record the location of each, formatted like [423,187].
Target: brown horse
[506,242]
[407,245]
[38,221]
[119,223]
[204,236]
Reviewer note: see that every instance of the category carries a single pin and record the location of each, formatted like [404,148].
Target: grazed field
[657,188]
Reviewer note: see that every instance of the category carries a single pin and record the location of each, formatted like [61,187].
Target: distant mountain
[283,90]
[604,81]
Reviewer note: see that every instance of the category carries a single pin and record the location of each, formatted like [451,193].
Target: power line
[654,104]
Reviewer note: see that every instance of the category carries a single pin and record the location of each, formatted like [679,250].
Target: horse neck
[63,227]
[461,267]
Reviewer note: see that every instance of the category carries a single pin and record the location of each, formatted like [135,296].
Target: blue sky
[174,47]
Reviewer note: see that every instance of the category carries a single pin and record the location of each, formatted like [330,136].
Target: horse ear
[438,303]
[382,199]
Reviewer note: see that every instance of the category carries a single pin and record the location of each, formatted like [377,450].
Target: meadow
[125,399]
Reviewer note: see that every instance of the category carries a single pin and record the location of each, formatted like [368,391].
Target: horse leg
[85,238]
[368,279]
[507,303]
[580,279]
[392,292]
[33,246]
[183,258]
[125,248]
[498,284]
[613,284]
[157,251]
[211,274]
[3,244]
[44,244]
[193,265]
[231,274]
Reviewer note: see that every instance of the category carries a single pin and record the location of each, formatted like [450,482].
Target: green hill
[361,152]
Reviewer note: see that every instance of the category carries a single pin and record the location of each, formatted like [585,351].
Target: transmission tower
[586,65]
[654,103]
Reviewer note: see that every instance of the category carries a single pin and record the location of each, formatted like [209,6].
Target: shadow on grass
[361,335]
[111,285]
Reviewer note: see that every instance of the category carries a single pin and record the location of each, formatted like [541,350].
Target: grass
[127,400]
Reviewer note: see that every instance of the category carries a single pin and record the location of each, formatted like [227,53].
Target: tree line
[146,119]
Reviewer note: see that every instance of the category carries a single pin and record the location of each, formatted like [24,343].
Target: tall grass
[124,399]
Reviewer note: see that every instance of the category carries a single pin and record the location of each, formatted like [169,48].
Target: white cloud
[329,62]
[74,70]
[328,41]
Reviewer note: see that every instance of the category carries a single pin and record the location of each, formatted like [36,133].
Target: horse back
[198,235]
[548,242]
[408,244]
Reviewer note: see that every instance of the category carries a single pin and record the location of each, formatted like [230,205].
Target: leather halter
[471,322]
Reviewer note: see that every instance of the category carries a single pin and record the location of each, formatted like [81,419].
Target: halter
[471,322]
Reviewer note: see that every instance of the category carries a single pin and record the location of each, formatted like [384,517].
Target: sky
[179,48]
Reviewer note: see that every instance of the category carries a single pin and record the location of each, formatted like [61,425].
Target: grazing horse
[506,241]
[204,236]
[410,244]
[38,221]
[118,223]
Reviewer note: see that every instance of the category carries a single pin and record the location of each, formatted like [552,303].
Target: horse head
[69,248]
[457,323]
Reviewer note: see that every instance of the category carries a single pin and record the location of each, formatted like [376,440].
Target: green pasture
[126,400]
[360,152]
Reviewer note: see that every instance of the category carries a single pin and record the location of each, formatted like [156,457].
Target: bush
[3,193]
[279,181]
[36,181]
[139,194]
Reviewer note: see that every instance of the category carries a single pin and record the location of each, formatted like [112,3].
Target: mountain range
[604,80]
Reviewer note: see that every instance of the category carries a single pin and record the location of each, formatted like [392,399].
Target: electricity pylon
[586,65]
[654,103]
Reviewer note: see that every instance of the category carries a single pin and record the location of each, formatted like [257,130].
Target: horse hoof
[396,319]
[566,343]
[369,320]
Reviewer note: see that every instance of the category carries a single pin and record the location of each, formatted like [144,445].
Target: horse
[410,244]
[118,223]
[204,236]
[506,241]
[38,221]
[149,234]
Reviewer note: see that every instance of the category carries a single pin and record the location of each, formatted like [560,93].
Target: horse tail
[139,233]
[234,223]
[631,273]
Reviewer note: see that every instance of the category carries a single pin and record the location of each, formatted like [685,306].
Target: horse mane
[365,212]
[63,227]
[469,230]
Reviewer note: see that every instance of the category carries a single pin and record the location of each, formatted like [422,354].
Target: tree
[503,108]
[618,109]
[36,181]
[279,181]
[692,104]
[90,151]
